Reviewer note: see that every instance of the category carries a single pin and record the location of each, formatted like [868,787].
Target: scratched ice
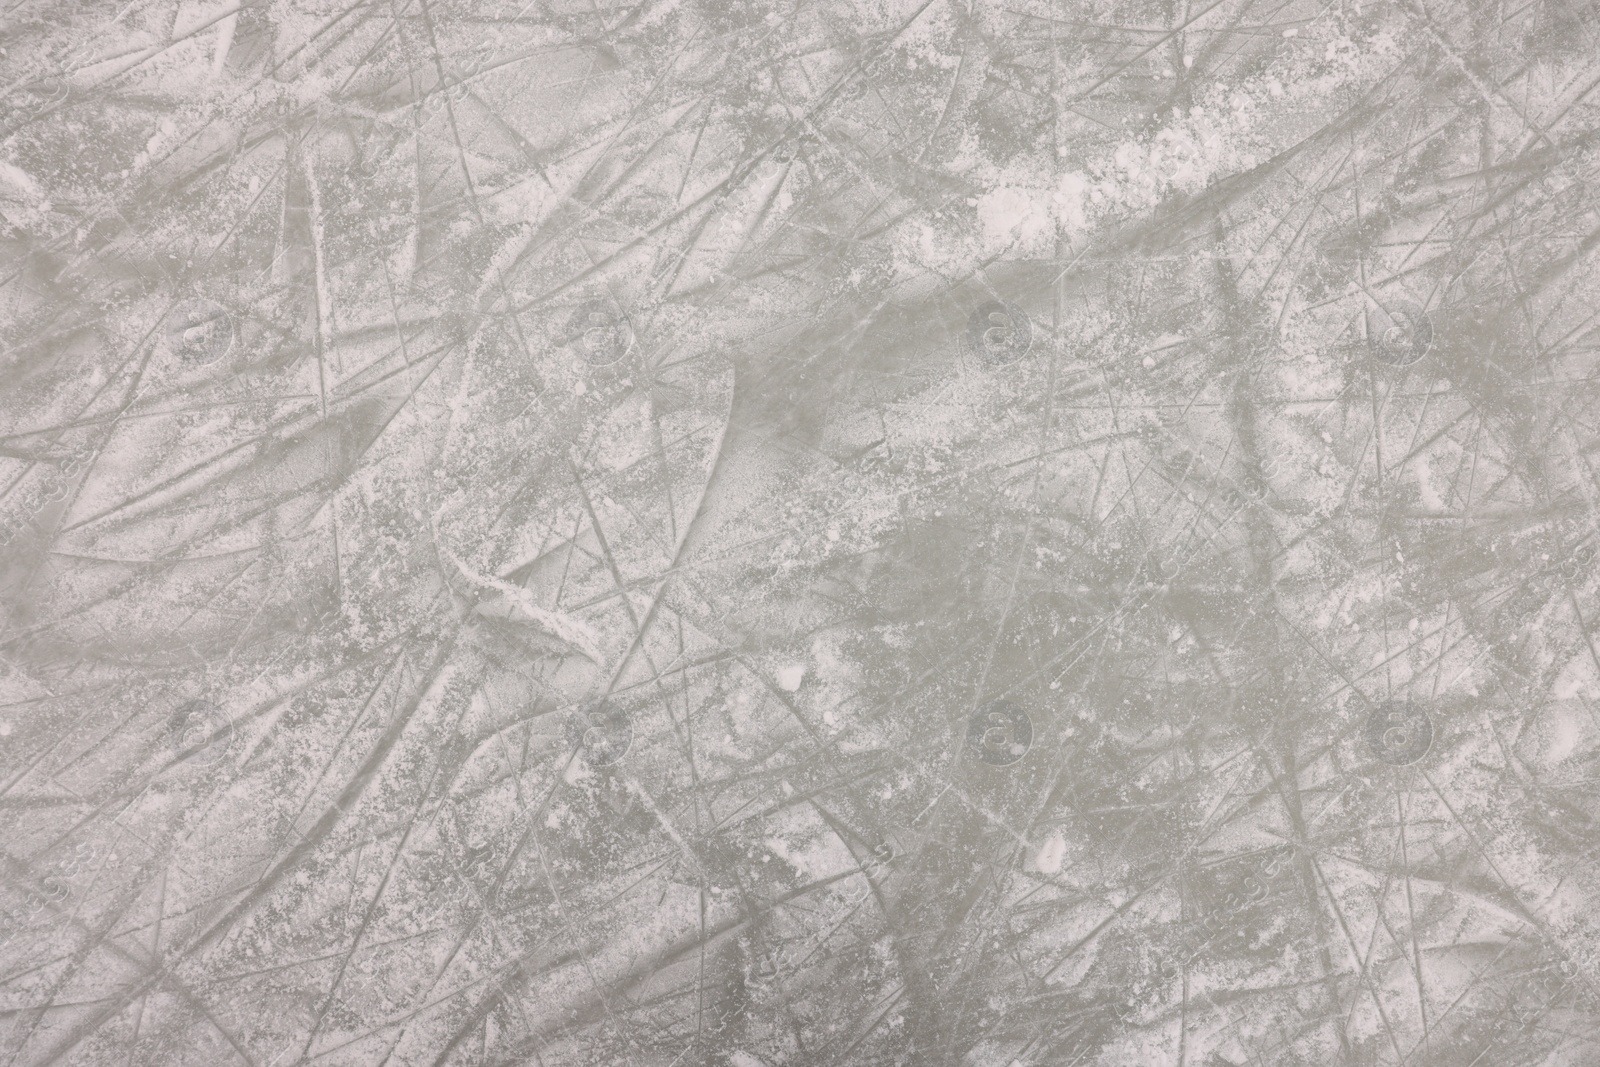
[781,534]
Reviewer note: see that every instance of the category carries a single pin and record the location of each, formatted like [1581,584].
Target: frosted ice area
[705,533]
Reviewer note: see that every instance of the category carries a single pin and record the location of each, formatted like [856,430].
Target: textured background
[698,532]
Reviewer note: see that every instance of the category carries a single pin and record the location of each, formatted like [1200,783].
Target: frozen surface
[705,532]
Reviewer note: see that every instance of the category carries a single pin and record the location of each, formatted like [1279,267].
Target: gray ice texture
[795,533]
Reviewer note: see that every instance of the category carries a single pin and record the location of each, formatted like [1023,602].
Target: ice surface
[784,534]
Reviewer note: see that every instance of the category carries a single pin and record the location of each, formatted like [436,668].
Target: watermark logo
[1258,483]
[605,734]
[999,333]
[1399,734]
[1000,733]
[199,734]
[1401,333]
[38,99]
[766,968]
[599,334]
[200,331]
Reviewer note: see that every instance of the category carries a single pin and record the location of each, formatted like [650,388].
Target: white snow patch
[1051,854]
